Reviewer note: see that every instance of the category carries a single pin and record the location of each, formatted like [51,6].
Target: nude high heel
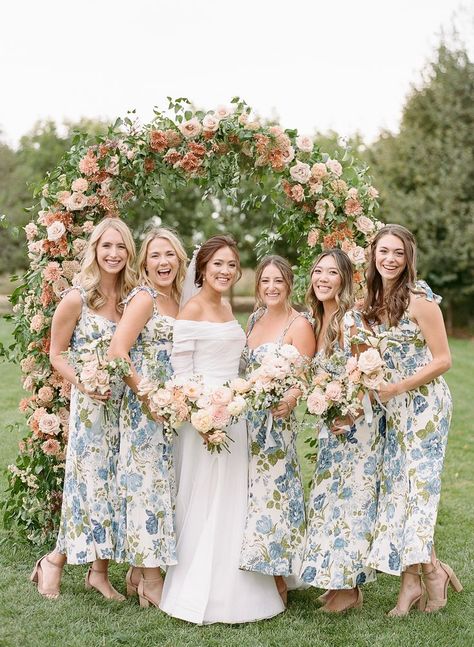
[357,604]
[37,578]
[419,600]
[132,589]
[433,605]
[143,598]
[115,595]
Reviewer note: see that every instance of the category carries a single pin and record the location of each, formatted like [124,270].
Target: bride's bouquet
[281,368]
[214,409]
[341,385]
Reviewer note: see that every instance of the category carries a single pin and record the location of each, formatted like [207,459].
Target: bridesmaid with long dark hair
[406,312]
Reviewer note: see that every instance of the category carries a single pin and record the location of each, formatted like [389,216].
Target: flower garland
[318,202]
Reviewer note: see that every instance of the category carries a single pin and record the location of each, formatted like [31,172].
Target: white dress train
[206,585]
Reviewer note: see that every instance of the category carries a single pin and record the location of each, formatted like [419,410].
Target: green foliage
[426,175]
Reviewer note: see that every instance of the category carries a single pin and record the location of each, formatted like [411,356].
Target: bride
[206,585]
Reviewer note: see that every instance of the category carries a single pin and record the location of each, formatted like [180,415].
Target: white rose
[334,166]
[300,172]
[222,112]
[237,405]
[239,385]
[290,352]
[373,381]
[305,143]
[161,398]
[317,403]
[221,396]
[210,123]
[370,361]
[56,231]
[202,420]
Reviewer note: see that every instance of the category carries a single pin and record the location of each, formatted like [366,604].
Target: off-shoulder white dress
[206,585]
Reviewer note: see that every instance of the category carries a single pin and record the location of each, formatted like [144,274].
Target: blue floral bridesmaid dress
[342,503]
[275,527]
[88,527]
[146,535]
[417,431]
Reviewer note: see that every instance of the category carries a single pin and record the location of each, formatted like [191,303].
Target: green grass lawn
[82,617]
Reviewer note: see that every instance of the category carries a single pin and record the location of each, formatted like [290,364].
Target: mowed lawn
[82,618]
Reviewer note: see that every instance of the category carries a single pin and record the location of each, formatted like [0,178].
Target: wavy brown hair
[207,251]
[286,272]
[89,276]
[390,303]
[177,245]
[344,299]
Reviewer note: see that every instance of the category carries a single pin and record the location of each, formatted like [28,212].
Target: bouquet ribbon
[268,441]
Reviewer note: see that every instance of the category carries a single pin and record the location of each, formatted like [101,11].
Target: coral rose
[88,165]
[80,185]
[313,237]
[352,207]
[158,141]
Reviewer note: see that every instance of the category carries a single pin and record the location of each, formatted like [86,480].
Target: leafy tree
[426,176]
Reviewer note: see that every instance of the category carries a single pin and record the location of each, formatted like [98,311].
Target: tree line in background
[425,175]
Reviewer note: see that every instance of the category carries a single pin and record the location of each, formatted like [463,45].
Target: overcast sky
[341,64]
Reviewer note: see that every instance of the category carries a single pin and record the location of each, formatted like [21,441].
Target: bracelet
[289,395]
[287,404]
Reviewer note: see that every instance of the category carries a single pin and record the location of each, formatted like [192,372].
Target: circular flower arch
[317,202]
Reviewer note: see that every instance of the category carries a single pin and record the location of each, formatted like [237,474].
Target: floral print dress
[146,535]
[88,527]
[274,533]
[342,504]
[417,431]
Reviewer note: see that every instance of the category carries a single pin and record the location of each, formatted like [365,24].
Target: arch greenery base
[316,201]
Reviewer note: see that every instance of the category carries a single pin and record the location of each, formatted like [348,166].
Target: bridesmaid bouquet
[167,400]
[95,373]
[281,368]
[340,386]
[214,409]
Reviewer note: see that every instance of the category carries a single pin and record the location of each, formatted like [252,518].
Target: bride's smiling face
[221,270]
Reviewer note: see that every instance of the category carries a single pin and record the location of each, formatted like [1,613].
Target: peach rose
[76,202]
[319,171]
[191,128]
[372,192]
[161,398]
[49,423]
[80,185]
[70,268]
[364,224]
[46,394]
[357,255]
[297,193]
[240,385]
[51,447]
[62,197]
[88,227]
[79,246]
[220,416]
[59,286]
[300,172]
[88,164]
[217,437]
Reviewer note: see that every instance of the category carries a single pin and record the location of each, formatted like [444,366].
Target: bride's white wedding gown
[206,585]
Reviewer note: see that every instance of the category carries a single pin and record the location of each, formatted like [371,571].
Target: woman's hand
[339,425]
[387,391]
[285,407]
[93,395]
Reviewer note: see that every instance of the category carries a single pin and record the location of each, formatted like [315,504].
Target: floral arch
[317,202]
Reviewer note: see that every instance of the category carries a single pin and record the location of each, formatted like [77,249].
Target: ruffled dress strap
[287,327]
[81,290]
[349,321]
[254,317]
[142,288]
[423,289]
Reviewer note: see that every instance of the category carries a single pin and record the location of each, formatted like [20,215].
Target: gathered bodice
[403,346]
[207,348]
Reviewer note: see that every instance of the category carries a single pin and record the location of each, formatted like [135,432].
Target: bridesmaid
[275,527]
[343,500]
[89,311]
[418,401]
[146,537]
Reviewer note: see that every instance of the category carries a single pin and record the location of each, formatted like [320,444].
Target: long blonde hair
[89,276]
[393,302]
[344,299]
[177,245]
[286,272]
